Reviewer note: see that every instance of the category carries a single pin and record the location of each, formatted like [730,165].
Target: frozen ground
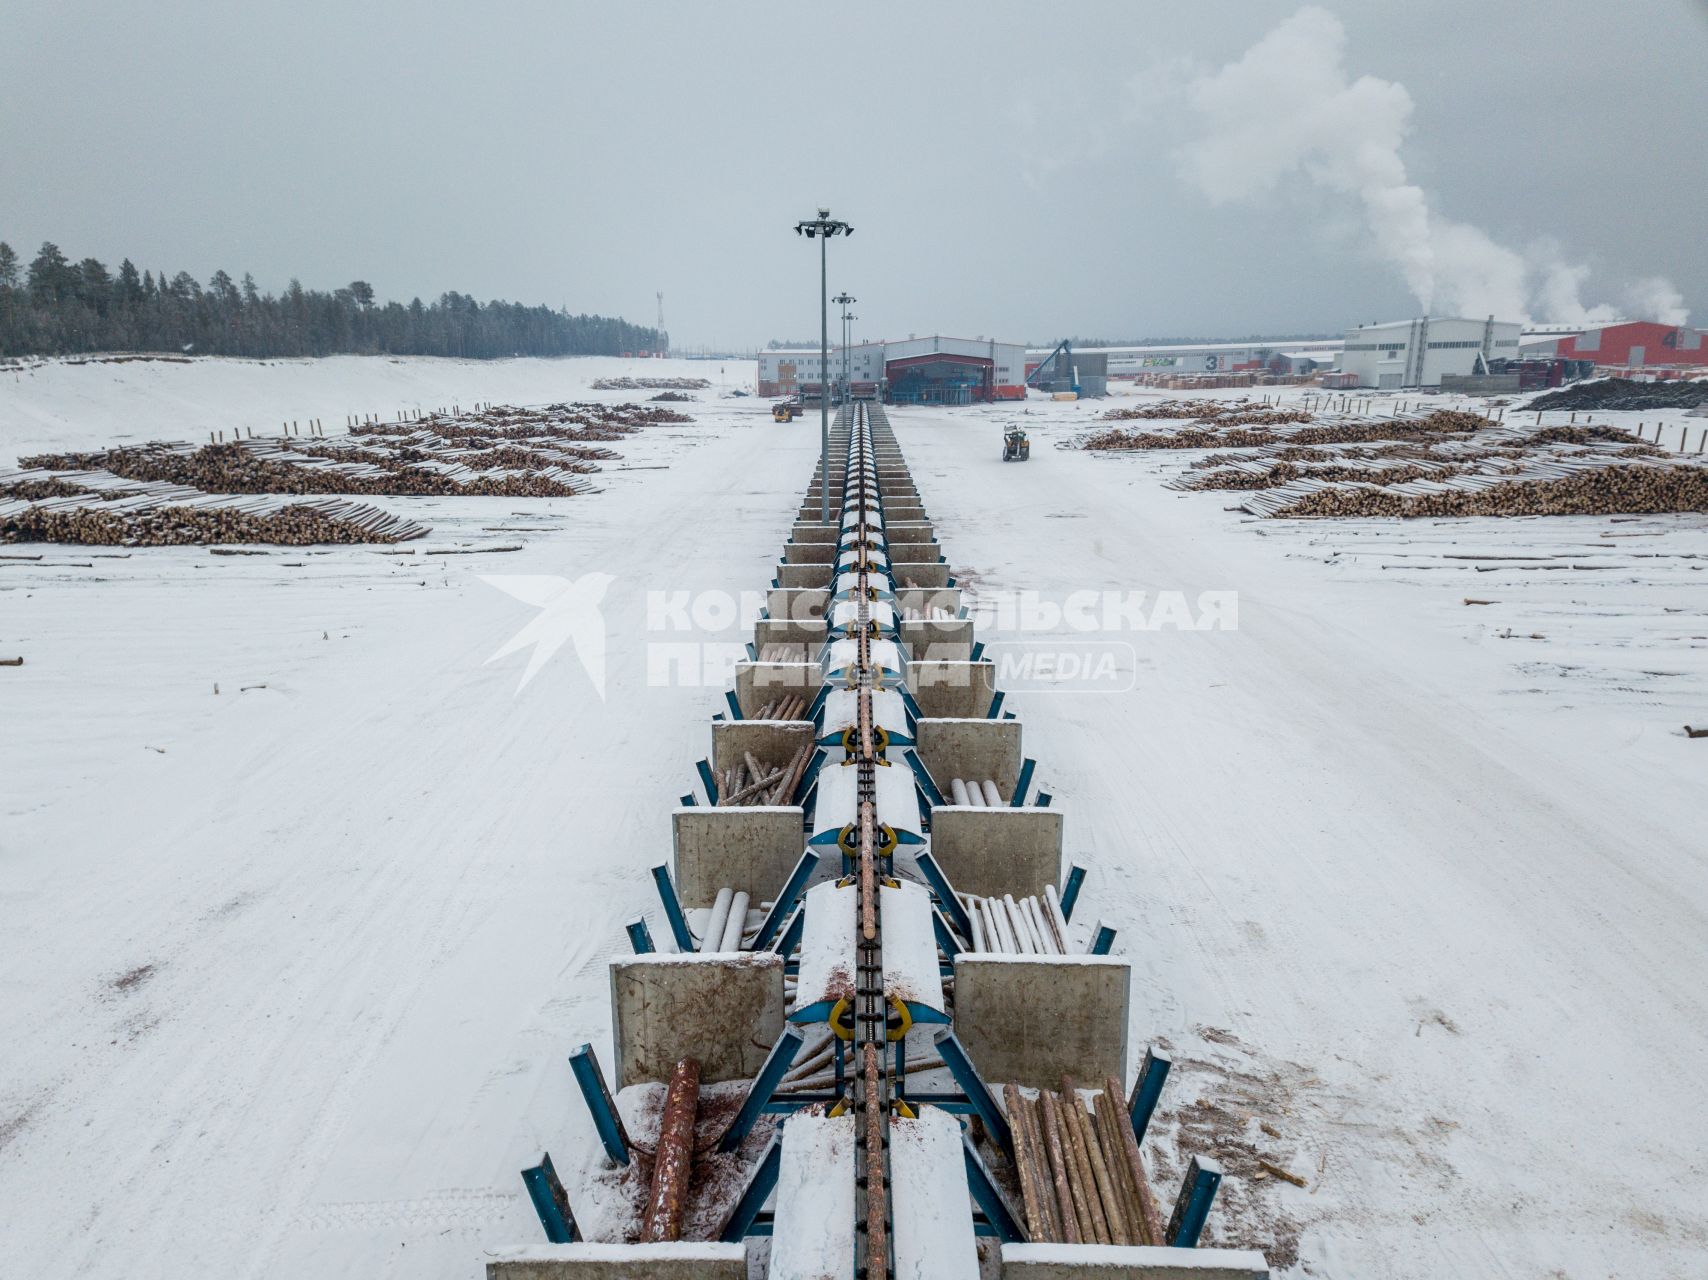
[290,971]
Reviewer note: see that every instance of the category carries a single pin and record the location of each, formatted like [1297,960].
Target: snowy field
[1413,887]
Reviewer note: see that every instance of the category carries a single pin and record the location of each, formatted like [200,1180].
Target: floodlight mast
[843,299]
[823,227]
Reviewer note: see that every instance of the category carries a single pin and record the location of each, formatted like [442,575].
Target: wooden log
[1151,1218]
[1083,1184]
[1113,1213]
[673,1165]
[1055,1144]
[1024,1163]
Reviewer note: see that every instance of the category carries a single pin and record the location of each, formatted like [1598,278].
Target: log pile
[1008,926]
[1230,413]
[1629,488]
[293,525]
[1082,1179]
[1256,475]
[1443,422]
[754,783]
[650,384]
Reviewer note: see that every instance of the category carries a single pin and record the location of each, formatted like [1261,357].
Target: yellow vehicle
[783,411]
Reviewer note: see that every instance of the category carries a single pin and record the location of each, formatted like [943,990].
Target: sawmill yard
[306,899]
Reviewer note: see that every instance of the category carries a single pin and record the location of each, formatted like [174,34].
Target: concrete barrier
[996,851]
[725,1010]
[757,683]
[925,599]
[911,532]
[809,552]
[1030,1020]
[804,576]
[1129,1262]
[745,847]
[680,1261]
[799,603]
[813,531]
[770,631]
[959,690]
[970,748]
[939,639]
[772,742]
[935,574]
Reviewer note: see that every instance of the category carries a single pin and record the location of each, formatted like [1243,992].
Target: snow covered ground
[290,970]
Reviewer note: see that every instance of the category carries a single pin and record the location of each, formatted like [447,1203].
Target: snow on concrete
[827,945]
[1414,888]
[930,1208]
[813,1236]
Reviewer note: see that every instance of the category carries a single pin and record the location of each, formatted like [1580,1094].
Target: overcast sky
[1022,171]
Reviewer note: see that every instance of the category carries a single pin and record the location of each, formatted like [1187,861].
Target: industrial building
[1419,353]
[1623,345]
[934,370]
[1278,355]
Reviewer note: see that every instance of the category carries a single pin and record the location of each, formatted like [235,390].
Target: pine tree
[8,266]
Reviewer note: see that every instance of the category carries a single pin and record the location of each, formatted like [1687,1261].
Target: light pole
[823,227]
[842,300]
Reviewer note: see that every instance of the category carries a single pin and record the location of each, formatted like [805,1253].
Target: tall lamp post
[842,300]
[823,227]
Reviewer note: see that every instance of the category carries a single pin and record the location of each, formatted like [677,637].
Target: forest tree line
[58,307]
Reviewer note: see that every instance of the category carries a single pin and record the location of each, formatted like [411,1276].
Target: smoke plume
[1289,107]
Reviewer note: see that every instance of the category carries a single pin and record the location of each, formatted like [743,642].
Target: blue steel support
[983,1101]
[946,899]
[1070,890]
[1147,1090]
[551,1202]
[1023,785]
[1103,940]
[977,653]
[640,937]
[786,899]
[707,780]
[1192,1206]
[988,1196]
[922,776]
[688,801]
[809,777]
[995,704]
[818,702]
[945,939]
[734,705]
[598,1099]
[791,937]
[740,1222]
[777,1062]
[673,909]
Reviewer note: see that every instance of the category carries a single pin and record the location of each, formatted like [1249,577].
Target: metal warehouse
[934,370]
[1624,345]
[1417,353]
[1279,355]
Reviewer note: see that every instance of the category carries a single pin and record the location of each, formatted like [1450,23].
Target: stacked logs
[1442,422]
[1082,1179]
[297,525]
[1028,926]
[1621,489]
[1286,472]
[751,783]
[979,793]
[1231,413]
[791,706]
[650,384]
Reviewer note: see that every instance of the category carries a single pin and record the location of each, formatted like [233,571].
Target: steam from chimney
[1288,106]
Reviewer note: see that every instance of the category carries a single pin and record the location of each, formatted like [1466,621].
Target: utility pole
[823,227]
[843,299]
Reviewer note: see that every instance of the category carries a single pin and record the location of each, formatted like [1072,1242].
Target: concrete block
[1029,1020]
[757,683]
[680,1261]
[804,575]
[770,631]
[1129,1262]
[911,532]
[939,639]
[918,573]
[954,689]
[970,748]
[996,851]
[772,742]
[809,552]
[799,603]
[813,531]
[725,1010]
[925,599]
[745,847]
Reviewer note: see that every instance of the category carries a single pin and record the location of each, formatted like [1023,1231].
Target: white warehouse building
[1417,353]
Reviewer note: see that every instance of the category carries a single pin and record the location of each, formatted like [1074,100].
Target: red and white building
[934,370]
[1625,344]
